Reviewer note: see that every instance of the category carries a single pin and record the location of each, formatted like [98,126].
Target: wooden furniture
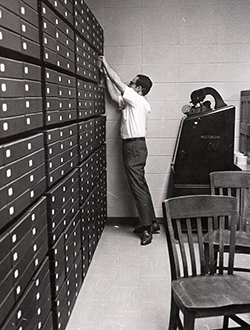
[200,288]
[237,184]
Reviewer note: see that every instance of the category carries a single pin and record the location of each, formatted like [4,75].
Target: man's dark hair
[145,82]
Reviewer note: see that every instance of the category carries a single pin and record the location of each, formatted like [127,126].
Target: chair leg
[178,322]
[174,316]
[225,322]
[189,320]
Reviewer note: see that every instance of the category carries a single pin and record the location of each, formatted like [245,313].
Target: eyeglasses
[131,83]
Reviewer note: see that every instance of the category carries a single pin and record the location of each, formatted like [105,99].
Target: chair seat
[212,291]
[242,238]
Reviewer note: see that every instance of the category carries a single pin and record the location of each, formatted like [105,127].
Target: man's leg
[134,157]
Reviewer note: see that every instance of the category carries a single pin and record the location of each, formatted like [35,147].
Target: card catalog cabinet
[52,158]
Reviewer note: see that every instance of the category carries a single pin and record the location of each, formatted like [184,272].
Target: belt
[133,139]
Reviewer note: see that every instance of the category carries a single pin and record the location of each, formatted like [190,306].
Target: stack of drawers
[86,60]
[60,97]
[63,202]
[92,201]
[23,249]
[19,28]
[99,102]
[100,132]
[20,97]
[52,158]
[22,174]
[66,270]
[58,39]
[86,104]
[61,150]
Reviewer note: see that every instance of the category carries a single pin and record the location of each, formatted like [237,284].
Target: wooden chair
[199,289]
[237,184]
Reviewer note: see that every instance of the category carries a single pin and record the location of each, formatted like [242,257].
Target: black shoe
[146,237]
[154,227]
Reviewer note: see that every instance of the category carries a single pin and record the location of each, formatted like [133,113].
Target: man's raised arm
[112,74]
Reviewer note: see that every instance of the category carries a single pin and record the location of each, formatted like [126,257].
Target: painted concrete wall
[182,45]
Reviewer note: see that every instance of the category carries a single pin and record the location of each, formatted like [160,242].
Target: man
[135,109]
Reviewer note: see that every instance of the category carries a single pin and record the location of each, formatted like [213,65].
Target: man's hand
[111,74]
[103,73]
[101,61]
[102,68]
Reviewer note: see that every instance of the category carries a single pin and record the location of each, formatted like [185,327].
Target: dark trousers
[134,158]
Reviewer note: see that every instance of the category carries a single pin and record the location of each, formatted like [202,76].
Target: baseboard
[122,221]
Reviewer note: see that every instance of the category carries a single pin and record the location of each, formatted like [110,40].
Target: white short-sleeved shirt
[135,109]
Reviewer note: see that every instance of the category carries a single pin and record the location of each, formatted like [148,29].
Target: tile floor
[127,286]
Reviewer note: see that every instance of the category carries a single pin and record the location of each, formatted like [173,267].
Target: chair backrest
[237,184]
[188,219]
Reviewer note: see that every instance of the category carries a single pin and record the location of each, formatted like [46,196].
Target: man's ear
[139,89]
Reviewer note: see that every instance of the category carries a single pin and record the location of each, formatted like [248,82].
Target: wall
[182,45]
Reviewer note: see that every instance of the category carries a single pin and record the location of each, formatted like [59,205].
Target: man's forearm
[113,75]
[112,90]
